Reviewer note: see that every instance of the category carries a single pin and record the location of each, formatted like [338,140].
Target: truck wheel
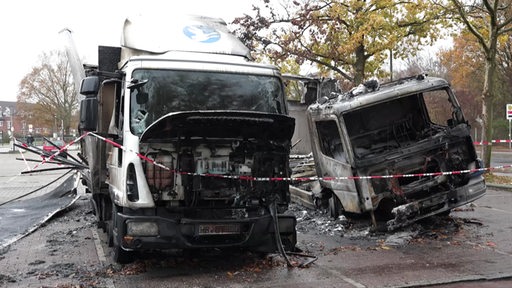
[110,233]
[335,207]
[114,240]
[109,223]
[104,215]
[122,256]
[97,206]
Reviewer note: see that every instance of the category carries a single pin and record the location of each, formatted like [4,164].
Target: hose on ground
[279,243]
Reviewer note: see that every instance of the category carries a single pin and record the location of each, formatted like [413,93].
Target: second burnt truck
[400,151]
[185,94]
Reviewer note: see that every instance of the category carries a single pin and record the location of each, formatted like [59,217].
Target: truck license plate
[218,229]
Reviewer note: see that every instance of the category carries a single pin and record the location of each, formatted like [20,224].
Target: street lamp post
[12,127]
[481,123]
[54,130]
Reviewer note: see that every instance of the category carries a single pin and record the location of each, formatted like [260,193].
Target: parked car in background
[48,147]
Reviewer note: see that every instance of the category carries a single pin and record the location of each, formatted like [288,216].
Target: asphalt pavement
[471,247]
[15,183]
[28,200]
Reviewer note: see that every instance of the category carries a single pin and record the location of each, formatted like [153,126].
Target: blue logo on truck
[201,33]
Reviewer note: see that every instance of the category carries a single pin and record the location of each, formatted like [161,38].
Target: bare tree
[487,21]
[50,87]
[422,63]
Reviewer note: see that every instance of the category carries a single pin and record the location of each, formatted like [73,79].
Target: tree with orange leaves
[489,22]
[352,38]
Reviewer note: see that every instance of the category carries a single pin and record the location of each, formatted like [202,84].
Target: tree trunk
[487,124]
[488,100]
[359,65]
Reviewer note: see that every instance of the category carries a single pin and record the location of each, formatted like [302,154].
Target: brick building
[7,119]
[13,119]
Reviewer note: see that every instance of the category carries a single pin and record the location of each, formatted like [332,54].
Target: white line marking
[347,279]
[99,249]
[101,256]
[496,209]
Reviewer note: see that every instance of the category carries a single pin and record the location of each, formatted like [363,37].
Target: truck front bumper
[437,203]
[183,233]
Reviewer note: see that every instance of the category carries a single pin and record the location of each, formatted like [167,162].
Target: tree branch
[471,28]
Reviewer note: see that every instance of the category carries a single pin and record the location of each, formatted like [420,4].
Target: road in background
[14,184]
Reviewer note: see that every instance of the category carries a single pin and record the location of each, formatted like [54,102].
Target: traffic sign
[509,111]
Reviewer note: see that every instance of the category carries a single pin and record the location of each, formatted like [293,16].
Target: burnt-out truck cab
[188,133]
[401,151]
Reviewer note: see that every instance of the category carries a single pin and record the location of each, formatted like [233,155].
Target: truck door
[333,161]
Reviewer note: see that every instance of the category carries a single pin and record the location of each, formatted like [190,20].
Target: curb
[499,186]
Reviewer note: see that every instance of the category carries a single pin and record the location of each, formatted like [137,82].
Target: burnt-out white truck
[184,94]
[400,151]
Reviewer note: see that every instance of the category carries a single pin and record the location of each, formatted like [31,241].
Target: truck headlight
[137,228]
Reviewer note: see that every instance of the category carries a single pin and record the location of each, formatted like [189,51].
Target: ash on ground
[319,222]
[357,230]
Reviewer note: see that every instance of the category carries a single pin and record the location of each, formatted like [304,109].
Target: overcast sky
[29,27]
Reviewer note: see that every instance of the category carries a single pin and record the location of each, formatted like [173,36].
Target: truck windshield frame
[168,91]
[390,125]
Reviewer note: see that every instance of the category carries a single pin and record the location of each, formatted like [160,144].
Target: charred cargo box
[390,149]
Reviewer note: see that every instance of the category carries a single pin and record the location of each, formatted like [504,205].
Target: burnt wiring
[65,153]
[71,163]
[273,212]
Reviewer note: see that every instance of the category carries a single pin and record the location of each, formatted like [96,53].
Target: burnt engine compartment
[213,158]
[218,174]
[430,157]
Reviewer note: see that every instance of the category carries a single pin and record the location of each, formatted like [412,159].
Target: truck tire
[119,255]
[109,224]
[110,234]
[104,204]
[122,256]
[335,207]
[110,228]
[97,208]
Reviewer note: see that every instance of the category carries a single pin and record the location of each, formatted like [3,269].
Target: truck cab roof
[372,93]
[191,33]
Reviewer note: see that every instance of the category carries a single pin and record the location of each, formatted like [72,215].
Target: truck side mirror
[88,114]
[90,85]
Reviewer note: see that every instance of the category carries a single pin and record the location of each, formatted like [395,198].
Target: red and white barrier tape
[491,142]
[60,150]
[300,179]
[143,157]
[251,178]
[21,153]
